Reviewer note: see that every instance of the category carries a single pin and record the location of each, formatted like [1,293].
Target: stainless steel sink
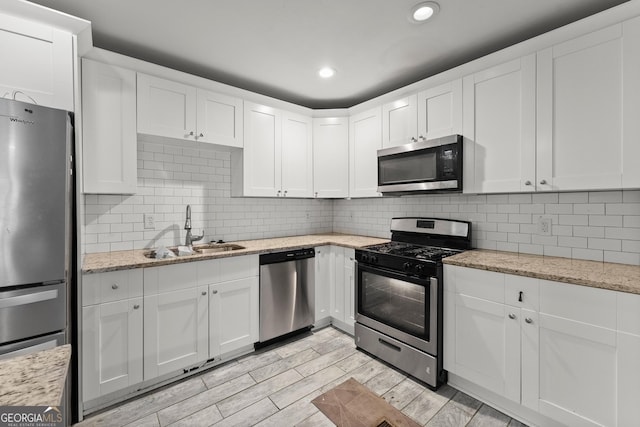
[213,248]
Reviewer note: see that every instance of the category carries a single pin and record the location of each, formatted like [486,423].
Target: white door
[166,108]
[337,289]
[262,150]
[400,122]
[297,155]
[499,117]
[349,287]
[233,316]
[588,99]
[175,331]
[440,111]
[111,347]
[628,391]
[365,139]
[219,119]
[576,368]
[109,146]
[486,347]
[331,157]
[323,282]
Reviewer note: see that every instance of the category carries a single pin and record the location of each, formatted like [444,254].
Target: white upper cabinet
[37,63]
[219,119]
[365,139]
[331,157]
[400,122]
[277,158]
[297,155]
[500,120]
[175,110]
[588,103]
[440,111]
[432,113]
[109,147]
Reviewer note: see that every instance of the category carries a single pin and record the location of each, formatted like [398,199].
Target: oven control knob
[365,258]
[407,266]
[419,269]
[373,259]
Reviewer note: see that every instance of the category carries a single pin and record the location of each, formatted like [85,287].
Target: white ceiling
[275,47]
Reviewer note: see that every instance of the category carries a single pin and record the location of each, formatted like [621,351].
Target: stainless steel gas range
[399,294]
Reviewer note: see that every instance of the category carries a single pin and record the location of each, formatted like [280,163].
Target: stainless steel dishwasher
[287,292]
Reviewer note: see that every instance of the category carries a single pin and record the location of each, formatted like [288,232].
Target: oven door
[400,306]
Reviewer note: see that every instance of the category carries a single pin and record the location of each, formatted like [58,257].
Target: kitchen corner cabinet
[277,159]
[112,321]
[109,147]
[323,282]
[562,351]
[175,110]
[331,157]
[500,119]
[37,63]
[176,320]
[365,139]
[588,103]
[342,289]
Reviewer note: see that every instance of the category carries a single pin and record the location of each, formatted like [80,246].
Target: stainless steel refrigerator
[35,228]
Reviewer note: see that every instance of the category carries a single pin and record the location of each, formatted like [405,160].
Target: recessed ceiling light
[326,72]
[423,11]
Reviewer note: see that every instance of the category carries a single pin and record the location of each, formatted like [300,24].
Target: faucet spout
[187,224]
[189,239]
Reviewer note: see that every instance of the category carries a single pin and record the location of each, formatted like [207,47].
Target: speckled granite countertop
[122,260]
[605,275]
[35,379]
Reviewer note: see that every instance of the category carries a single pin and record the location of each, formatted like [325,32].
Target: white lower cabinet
[342,290]
[322,283]
[551,348]
[175,331]
[234,316]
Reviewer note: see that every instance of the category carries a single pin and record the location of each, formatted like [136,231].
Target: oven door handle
[356,297]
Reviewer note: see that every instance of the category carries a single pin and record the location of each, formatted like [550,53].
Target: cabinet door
[588,99]
[628,370]
[109,146]
[337,292]
[262,150]
[233,316]
[365,139]
[500,118]
[323,282]
[297,156]
[219,119]
[576,370]
[400,122]
[45,74]
[331,157]
[175,331]
[440,111]
[349,287]
[486,345]
[166,108]
[111,347]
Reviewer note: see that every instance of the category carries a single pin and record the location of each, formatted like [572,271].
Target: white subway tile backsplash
[573,198]
[605,197]
[606,244]
[588,254]
[590,208]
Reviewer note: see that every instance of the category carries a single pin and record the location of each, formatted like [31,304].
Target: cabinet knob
[137,306]
[543,181]
[279,193]
[204,293]
[201,135]
[214,292]
[316,194]
[191,133]
[520,296]
[512,316]
[285,193]
[421,137]
[528,320]
[414,139]
[114,286]
[527,182]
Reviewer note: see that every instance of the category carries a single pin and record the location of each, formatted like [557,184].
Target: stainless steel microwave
[426,166]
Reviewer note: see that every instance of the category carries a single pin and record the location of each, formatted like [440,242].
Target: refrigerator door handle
[28,299]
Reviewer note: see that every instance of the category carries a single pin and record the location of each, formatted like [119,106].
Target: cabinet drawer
[111,286]
[628,313]
[168,278]
[580,303]
[226,269]
[520,291]
[483,284]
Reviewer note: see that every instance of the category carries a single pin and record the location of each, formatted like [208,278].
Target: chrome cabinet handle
[414,139]
[114,286]
[528,320]
[279,193]
[285,193]
[137,306]
[214,292]
[543,181]
[316,194]
[201,135]
[421,137]
[191,133]
[527,182]
[204,293]
[512,316]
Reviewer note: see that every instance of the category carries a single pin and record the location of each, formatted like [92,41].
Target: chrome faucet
[188,241]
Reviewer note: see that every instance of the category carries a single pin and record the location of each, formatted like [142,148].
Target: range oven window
[416,166]
[398,303]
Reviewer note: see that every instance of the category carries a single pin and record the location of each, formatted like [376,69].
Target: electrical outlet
[149,222]
[544,225]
